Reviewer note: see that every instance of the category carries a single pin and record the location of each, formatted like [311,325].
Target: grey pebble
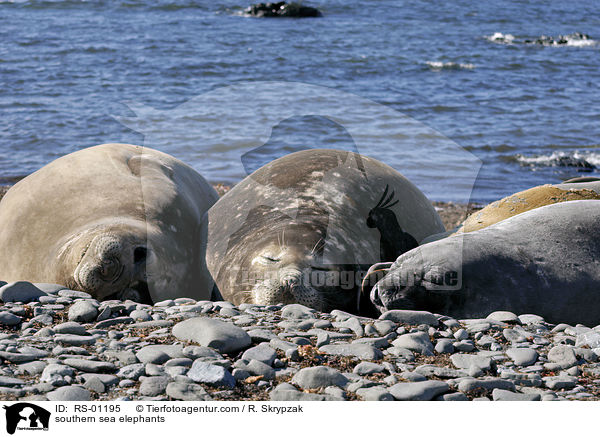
[222,336]
[20,292]
[154,385]
[211,374]
[184,391]
[361,351]
[83,311]
[319,377]
[506,395]
[418,391]
[69,393]
[522,356]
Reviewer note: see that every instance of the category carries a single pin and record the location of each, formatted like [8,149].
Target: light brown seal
[112,220]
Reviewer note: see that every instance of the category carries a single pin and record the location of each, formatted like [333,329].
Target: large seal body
[545,261]
[112,220]
[303,227]
[527,200]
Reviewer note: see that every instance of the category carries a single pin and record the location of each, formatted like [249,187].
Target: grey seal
[545,261]
[115,220]
[305,227]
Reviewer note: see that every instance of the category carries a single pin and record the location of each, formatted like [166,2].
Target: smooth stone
[94,384]
[154,385]
[444,346]
[503,316]
[9,319]
[297,311]
[132,371]
[465,361]
[263,353]
[179,362]
[50,288]
[452,397]
[439,372]
[74,294]
[69,393]
[17,358]
[32,368]
[211,374]
[562,382]
[368,368]
[409,317]
[375,394]
[184,391]
[298,396]
[7,381]
[140,315]
[54,373]
[90,366]
[70,328]
[530,319]
[590,338]
[361,351]
[222,336]
[563,355]
[319,377]
[461,334]
[20,291]
[258,368]
[107,380]
[522,356]
[416,342]
[469,384]
[159,354]
[74,340]
[505,395]
[83,311]
[412,376]
[195,352]
[114,321]
[418,391]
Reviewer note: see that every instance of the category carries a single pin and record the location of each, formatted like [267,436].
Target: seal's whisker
[315,246]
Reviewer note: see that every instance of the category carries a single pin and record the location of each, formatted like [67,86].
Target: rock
[297,311]
[298,396]
[159,354]
[185,391]
[282,9]
[154,385]
[416,342]
[263,353]
[530,319]
[560,382]
[444,346]
[222,336]
[590,338]
[132,371]
[503,316]
[361,351]
[563,355]
[70,328]
[69,393]
[18,358]
[506,395]
[107,380]
[83,311]
[9,319]
[7,381]
[522,356]
[94,385]
[439,372]
[452,397]
[195,352]
[211,374]
[470,384]
[258,368]
[74,340]
[55,373]
[513,336]
[140,315]
[90,366]
[465,361]
[367,368]
[74,294]
[112,322]
[319,377]
[20,292]
[418,391]
[410,317]
[374,394]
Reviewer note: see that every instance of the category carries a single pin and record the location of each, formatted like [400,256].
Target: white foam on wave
[501,38]
[553,158]
[449,65]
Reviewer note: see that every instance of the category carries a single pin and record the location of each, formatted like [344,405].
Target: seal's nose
[375,296]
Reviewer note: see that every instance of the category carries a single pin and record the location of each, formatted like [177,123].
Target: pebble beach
[64,345]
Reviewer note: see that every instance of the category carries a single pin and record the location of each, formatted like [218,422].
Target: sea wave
[434,65]
[582,160]
[576,39]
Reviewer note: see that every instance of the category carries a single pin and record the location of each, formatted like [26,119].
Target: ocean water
[469,100]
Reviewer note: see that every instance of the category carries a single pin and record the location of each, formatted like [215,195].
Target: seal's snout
[290,278]
[375,296]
